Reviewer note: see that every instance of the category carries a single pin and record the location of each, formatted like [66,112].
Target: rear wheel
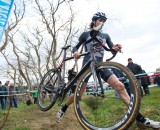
[48,90]
[108,112]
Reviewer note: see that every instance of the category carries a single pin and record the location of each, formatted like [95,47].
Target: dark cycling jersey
[103,37]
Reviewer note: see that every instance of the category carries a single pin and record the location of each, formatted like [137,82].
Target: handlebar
[93,35]
[86,53]
[83,54]
[114,52]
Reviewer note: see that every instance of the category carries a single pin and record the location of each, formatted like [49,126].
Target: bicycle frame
[86,66]
[91,63]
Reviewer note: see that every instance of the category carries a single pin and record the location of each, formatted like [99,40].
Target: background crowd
[9,96]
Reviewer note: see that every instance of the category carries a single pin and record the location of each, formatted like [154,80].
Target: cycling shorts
[105,73]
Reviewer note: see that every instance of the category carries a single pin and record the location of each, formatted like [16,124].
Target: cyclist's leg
[119,87]
[114,82]
[71,98]
[69,101]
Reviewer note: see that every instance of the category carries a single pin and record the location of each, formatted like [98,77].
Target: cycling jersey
[85,36]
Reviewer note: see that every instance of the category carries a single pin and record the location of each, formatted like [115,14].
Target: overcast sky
[133,23]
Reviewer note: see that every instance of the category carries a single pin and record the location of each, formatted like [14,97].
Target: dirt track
[69,122]
[34,119]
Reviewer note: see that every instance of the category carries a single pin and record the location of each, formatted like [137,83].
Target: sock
[140,118]
[64,108]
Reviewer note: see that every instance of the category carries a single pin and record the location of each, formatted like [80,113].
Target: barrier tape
[18,92]
[156,73]
[14,94]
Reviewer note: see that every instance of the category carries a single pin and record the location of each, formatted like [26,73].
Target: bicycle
[101,110]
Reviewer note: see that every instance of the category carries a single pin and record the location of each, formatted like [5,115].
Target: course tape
[156,73]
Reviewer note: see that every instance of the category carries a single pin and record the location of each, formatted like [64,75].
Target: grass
[31,118]
[150,105]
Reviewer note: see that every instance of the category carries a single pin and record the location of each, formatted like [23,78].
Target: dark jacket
[145,79]
[135,68]
[3,90]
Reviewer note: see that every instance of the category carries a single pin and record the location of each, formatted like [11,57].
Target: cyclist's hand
[76,55]
[117,47]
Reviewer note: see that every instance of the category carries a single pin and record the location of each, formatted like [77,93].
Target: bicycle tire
[48,90]
[107,113]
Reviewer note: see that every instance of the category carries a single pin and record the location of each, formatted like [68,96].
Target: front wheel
[107,112]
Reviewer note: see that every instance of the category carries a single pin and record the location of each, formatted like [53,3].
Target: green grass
[150,105]
[31,118]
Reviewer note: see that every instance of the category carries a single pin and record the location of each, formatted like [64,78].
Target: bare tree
[41,43]
[51,24]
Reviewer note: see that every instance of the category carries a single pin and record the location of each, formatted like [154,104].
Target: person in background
[99,19]
[136,69]
[145,82]
[35,94]
[2,97]
[157,77]
[6,86]
[12,98]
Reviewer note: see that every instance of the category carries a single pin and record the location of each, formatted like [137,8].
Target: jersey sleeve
[81,40]
[108,41]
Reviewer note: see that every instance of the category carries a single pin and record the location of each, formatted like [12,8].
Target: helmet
[99,15]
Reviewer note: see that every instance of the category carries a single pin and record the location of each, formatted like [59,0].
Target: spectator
[145,82]
[6,90]
[157,78]
[13,100]
[2,97]
[136,69]
[35,94]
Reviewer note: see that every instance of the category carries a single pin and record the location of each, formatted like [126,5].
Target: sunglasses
[101,20]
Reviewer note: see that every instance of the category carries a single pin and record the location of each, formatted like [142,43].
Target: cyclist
[98,19]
